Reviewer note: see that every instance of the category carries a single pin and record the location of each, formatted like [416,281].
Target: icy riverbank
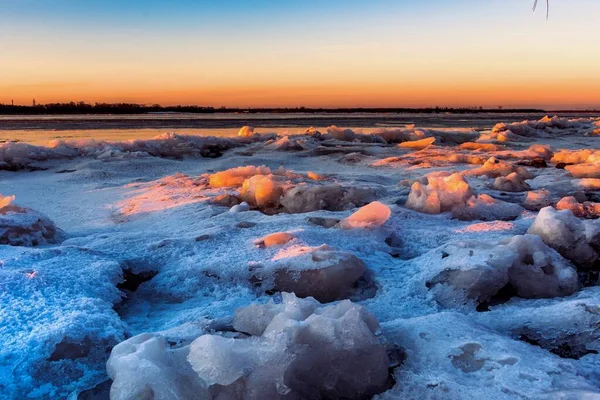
[436,273]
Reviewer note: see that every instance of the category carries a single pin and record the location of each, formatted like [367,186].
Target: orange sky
[486,55]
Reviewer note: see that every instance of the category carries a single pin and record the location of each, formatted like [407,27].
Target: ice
[510,183]
[418,144]
[398,135]
[546,127]
[246,131]
[535,200]
[539,271]
[474,146]
[297,349]
[464,273]
[346,135]
[567,328]
[6,200]
[239,208]
[370,216]
[485,208]
[441,193]
[57,319]
[143,367]
[468,309]
[277,238]
[332,197]
[588,170]
[475,362]
[576,156]
[320,272]
[333,351]
[564,232]
[23,226]
[587,184]
[235,177]
[262,190]
[586,209]
[494,168]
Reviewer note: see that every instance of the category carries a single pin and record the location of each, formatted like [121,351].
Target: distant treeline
[129,108]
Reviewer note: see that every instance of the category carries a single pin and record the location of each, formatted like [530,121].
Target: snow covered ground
[435,274]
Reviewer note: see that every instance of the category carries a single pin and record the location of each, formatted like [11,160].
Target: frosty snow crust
[401,262]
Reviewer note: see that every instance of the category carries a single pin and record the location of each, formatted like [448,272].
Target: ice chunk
[474,146]
[510,183]
[6,200]
[485,208]
[346,135]
[262,190]
[440,194]
[588,170]
[537,199]
[564,232]
[370,216]
[246,131]
[538,270]
[24,226]
[464,272]
[235,177]
[297,349]
[321,272]
[239,208]
[332,197]
[587,209]
[467,272]
[576,156]
[275,239]
[331,351]
[144,367]
[417,144]
[494,168]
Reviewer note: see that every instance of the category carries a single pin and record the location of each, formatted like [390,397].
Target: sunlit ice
[299,200]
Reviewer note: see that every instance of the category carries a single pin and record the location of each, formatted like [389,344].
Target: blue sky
[301,52]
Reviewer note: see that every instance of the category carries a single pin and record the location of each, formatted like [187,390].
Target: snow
[176,257]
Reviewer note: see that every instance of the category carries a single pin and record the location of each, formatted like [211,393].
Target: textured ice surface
[469,309]
[58,321]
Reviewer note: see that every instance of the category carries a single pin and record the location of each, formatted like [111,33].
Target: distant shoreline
[266,121]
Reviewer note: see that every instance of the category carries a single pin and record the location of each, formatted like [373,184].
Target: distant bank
[81,108]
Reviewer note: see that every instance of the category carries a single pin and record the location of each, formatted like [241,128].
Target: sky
[313,53]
